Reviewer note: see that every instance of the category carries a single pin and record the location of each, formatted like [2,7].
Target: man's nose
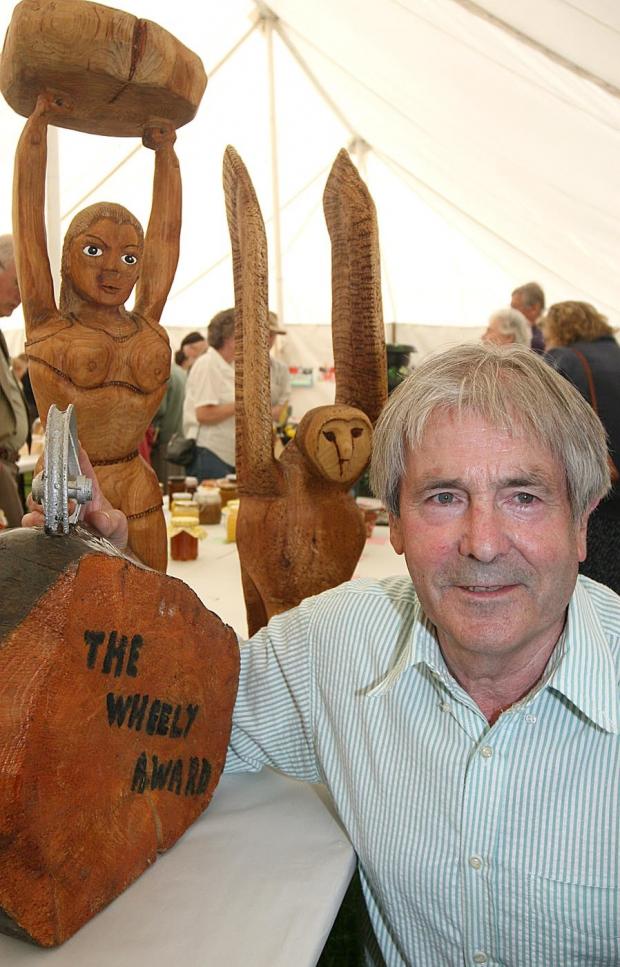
[483,536]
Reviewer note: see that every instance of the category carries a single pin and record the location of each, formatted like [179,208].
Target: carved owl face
[337,440]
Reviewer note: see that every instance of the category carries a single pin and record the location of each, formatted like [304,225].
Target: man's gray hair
[531,293]
[509,387]
[513,323]
[6,251]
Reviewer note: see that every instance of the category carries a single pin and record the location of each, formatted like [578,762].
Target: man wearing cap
[13,410]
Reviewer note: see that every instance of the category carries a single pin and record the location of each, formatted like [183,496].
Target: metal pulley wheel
[61,479]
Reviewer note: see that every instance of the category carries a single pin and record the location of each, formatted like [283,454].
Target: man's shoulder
[355,603]
[597,602]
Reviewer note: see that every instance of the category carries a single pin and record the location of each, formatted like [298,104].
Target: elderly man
[14,419]
[530,300]
[465,720]
[508,327]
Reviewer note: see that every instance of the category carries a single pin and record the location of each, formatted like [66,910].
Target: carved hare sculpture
[299,531]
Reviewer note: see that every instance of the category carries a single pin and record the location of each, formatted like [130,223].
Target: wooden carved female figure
[299,531]
[113,364]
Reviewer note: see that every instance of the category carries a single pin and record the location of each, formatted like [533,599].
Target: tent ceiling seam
[479,11]
[523,78]
[398,167]
[282,34]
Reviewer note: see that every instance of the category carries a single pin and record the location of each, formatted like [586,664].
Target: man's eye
[129,259]
[525,499]
[92,250]
[443,499]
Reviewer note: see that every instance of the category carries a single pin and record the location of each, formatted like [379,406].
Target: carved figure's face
[104,262]
[338,441]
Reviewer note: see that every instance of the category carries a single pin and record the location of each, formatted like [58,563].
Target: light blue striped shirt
[477,844]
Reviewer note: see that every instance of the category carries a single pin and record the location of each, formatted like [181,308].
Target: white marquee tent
[489,135]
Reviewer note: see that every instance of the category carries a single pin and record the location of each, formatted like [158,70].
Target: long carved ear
[357,316]
[257,471]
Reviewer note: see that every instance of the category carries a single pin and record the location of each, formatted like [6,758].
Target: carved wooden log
[116,695]
[121,72]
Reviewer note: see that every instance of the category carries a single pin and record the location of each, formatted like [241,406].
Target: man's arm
[273,720]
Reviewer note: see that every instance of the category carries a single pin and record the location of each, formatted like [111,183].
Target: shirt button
[475,862]
[444,706]
[530,719]
[486,751]
[480,957]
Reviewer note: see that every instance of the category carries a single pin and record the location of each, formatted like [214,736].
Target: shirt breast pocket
[580,921]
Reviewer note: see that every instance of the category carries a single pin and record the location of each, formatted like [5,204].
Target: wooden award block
[116,695]
[120,72]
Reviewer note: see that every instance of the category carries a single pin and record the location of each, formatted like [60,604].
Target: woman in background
[209,407]
[581,345]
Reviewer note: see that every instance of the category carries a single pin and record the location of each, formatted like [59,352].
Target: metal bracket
[61,479]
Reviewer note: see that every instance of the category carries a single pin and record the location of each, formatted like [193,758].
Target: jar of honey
[175,485]
[209,505]
[184,524]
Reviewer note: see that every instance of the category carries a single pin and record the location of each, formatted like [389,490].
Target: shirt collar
[585,673]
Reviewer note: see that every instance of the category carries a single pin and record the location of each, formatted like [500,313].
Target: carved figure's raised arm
[161,242]
[30,240]
[357,316]
[257,470]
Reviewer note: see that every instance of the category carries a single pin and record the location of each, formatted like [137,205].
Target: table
[215,575]
[257,880]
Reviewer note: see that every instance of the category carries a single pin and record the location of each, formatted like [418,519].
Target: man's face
[531,313]
[9,290]
[495,336]
[487,533]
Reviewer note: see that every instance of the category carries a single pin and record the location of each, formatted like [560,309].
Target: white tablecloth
[255,882]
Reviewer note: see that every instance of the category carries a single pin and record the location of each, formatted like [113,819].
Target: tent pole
[52,207]
[268,20]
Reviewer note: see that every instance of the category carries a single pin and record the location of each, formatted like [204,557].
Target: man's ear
[396,534]
[582,532]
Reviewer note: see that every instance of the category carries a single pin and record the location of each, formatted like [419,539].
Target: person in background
[167,421]
[19,365]
[209,408]
[280,378]
[182,361]
[508,327]
[463,718]
[581,345]
[14,417]
[530,300]
[193,345]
